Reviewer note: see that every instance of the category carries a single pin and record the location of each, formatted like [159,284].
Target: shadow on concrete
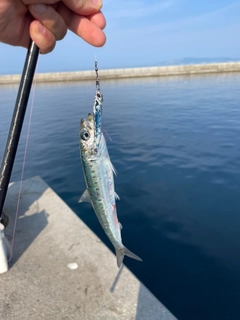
[150,308]
[28,229]
[116,279]
[30,222]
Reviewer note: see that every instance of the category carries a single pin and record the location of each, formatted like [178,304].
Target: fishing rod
[16,124]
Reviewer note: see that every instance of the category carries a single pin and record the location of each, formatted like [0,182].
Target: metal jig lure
[97,109]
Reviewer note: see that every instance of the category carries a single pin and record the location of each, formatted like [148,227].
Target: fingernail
[40,28]
[38,8]
[97,2]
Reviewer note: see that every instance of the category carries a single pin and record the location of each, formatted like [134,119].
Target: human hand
[48,21]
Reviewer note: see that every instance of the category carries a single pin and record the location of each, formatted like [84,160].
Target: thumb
[84,7]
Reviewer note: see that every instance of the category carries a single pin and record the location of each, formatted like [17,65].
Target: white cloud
[224,16]
[154,40]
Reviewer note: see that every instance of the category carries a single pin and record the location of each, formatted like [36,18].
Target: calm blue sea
[176,147]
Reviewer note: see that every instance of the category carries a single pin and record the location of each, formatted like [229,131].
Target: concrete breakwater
[128,73]
[61,270]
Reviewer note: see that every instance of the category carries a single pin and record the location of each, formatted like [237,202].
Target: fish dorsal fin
[85,197]
[116,196]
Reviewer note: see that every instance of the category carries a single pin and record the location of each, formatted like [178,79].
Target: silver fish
[98,173]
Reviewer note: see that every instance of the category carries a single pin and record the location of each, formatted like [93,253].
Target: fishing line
[107,134]
[23,167]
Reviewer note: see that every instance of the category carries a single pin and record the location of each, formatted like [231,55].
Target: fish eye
[85,135]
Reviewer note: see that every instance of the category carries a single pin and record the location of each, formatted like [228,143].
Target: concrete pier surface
[129,73]
[61,270]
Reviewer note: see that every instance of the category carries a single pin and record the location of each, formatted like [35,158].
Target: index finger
[84,7]
[88,28]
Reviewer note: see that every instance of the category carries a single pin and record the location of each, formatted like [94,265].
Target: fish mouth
[82,123]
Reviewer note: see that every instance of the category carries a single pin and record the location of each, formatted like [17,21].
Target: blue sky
[145,33]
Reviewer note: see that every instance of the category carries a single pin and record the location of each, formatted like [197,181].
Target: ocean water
[176,147]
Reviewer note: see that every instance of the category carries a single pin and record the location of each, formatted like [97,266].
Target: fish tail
[121,252]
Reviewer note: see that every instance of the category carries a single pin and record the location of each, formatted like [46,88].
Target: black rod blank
[17,122]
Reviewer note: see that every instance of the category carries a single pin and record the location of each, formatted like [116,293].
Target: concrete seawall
[129,73]
[61,270]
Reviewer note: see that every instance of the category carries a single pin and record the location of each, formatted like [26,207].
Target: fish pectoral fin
[85,197]
[121,252]
[116,196]
[120,225]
